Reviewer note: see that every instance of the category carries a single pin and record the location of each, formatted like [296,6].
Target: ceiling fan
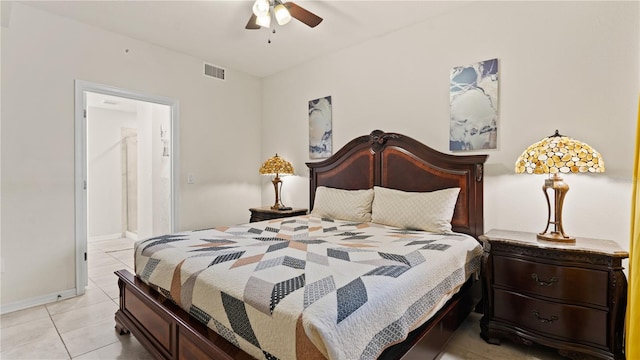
[282,11]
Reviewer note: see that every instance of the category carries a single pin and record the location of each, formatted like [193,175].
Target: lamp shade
[282,14]
[559,154]
[264,20]
[276,165]
[261,7]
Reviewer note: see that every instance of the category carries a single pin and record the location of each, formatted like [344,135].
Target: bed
[161,312]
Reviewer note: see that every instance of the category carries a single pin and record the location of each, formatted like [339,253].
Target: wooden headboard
[399,162]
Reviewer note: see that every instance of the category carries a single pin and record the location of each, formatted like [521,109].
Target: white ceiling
[214,30]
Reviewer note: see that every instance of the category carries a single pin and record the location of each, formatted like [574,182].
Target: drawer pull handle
[544,320]
[534,276]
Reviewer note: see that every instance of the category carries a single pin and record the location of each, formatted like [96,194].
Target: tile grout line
[58,331]
[119,261]
[105,293]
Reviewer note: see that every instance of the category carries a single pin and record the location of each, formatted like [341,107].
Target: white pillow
[428,211]
[350,205]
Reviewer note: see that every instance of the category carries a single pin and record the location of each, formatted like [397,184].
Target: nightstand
[571,297]
[266,213]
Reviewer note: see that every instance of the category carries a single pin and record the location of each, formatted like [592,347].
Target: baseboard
[132,236]
[104,237]
[38,300]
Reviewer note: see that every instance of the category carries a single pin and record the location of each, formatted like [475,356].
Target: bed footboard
[163,328]
[168,332]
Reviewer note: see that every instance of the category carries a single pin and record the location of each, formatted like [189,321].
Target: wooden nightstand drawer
[569,284]
[578,323]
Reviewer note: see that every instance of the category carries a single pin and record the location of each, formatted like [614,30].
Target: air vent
[214,71]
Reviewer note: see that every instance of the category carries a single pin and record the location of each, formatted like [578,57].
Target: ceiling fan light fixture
[261,8]
[282,14]
[264,21]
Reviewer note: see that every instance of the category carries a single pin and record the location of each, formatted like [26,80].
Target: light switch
[190,179]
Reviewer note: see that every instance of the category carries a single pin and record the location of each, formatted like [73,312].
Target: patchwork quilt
[307,287]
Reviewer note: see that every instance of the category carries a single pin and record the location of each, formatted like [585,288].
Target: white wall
[104,157]
[563,65]
[161,221]
[145,170]
[42,56]
[153,171]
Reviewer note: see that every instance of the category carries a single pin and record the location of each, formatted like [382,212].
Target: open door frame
[81,87]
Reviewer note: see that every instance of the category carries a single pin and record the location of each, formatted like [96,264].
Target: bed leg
[479,307]
[120,329]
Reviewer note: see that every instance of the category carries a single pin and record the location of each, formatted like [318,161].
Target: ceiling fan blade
[251,25]
[303,14]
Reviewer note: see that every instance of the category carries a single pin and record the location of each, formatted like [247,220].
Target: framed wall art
[473,96]
[320,128]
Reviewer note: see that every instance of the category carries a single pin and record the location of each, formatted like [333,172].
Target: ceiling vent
[214,71]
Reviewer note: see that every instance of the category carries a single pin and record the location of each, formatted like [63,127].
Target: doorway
[126,163]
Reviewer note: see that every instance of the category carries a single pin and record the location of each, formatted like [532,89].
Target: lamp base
[280,207]
[560,189]
[556,236]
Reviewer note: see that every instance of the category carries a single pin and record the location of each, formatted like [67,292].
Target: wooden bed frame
[380,159]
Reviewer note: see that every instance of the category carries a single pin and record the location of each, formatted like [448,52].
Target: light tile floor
[83,327]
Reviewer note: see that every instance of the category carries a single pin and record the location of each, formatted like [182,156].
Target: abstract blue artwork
[473,97]
[320,143]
